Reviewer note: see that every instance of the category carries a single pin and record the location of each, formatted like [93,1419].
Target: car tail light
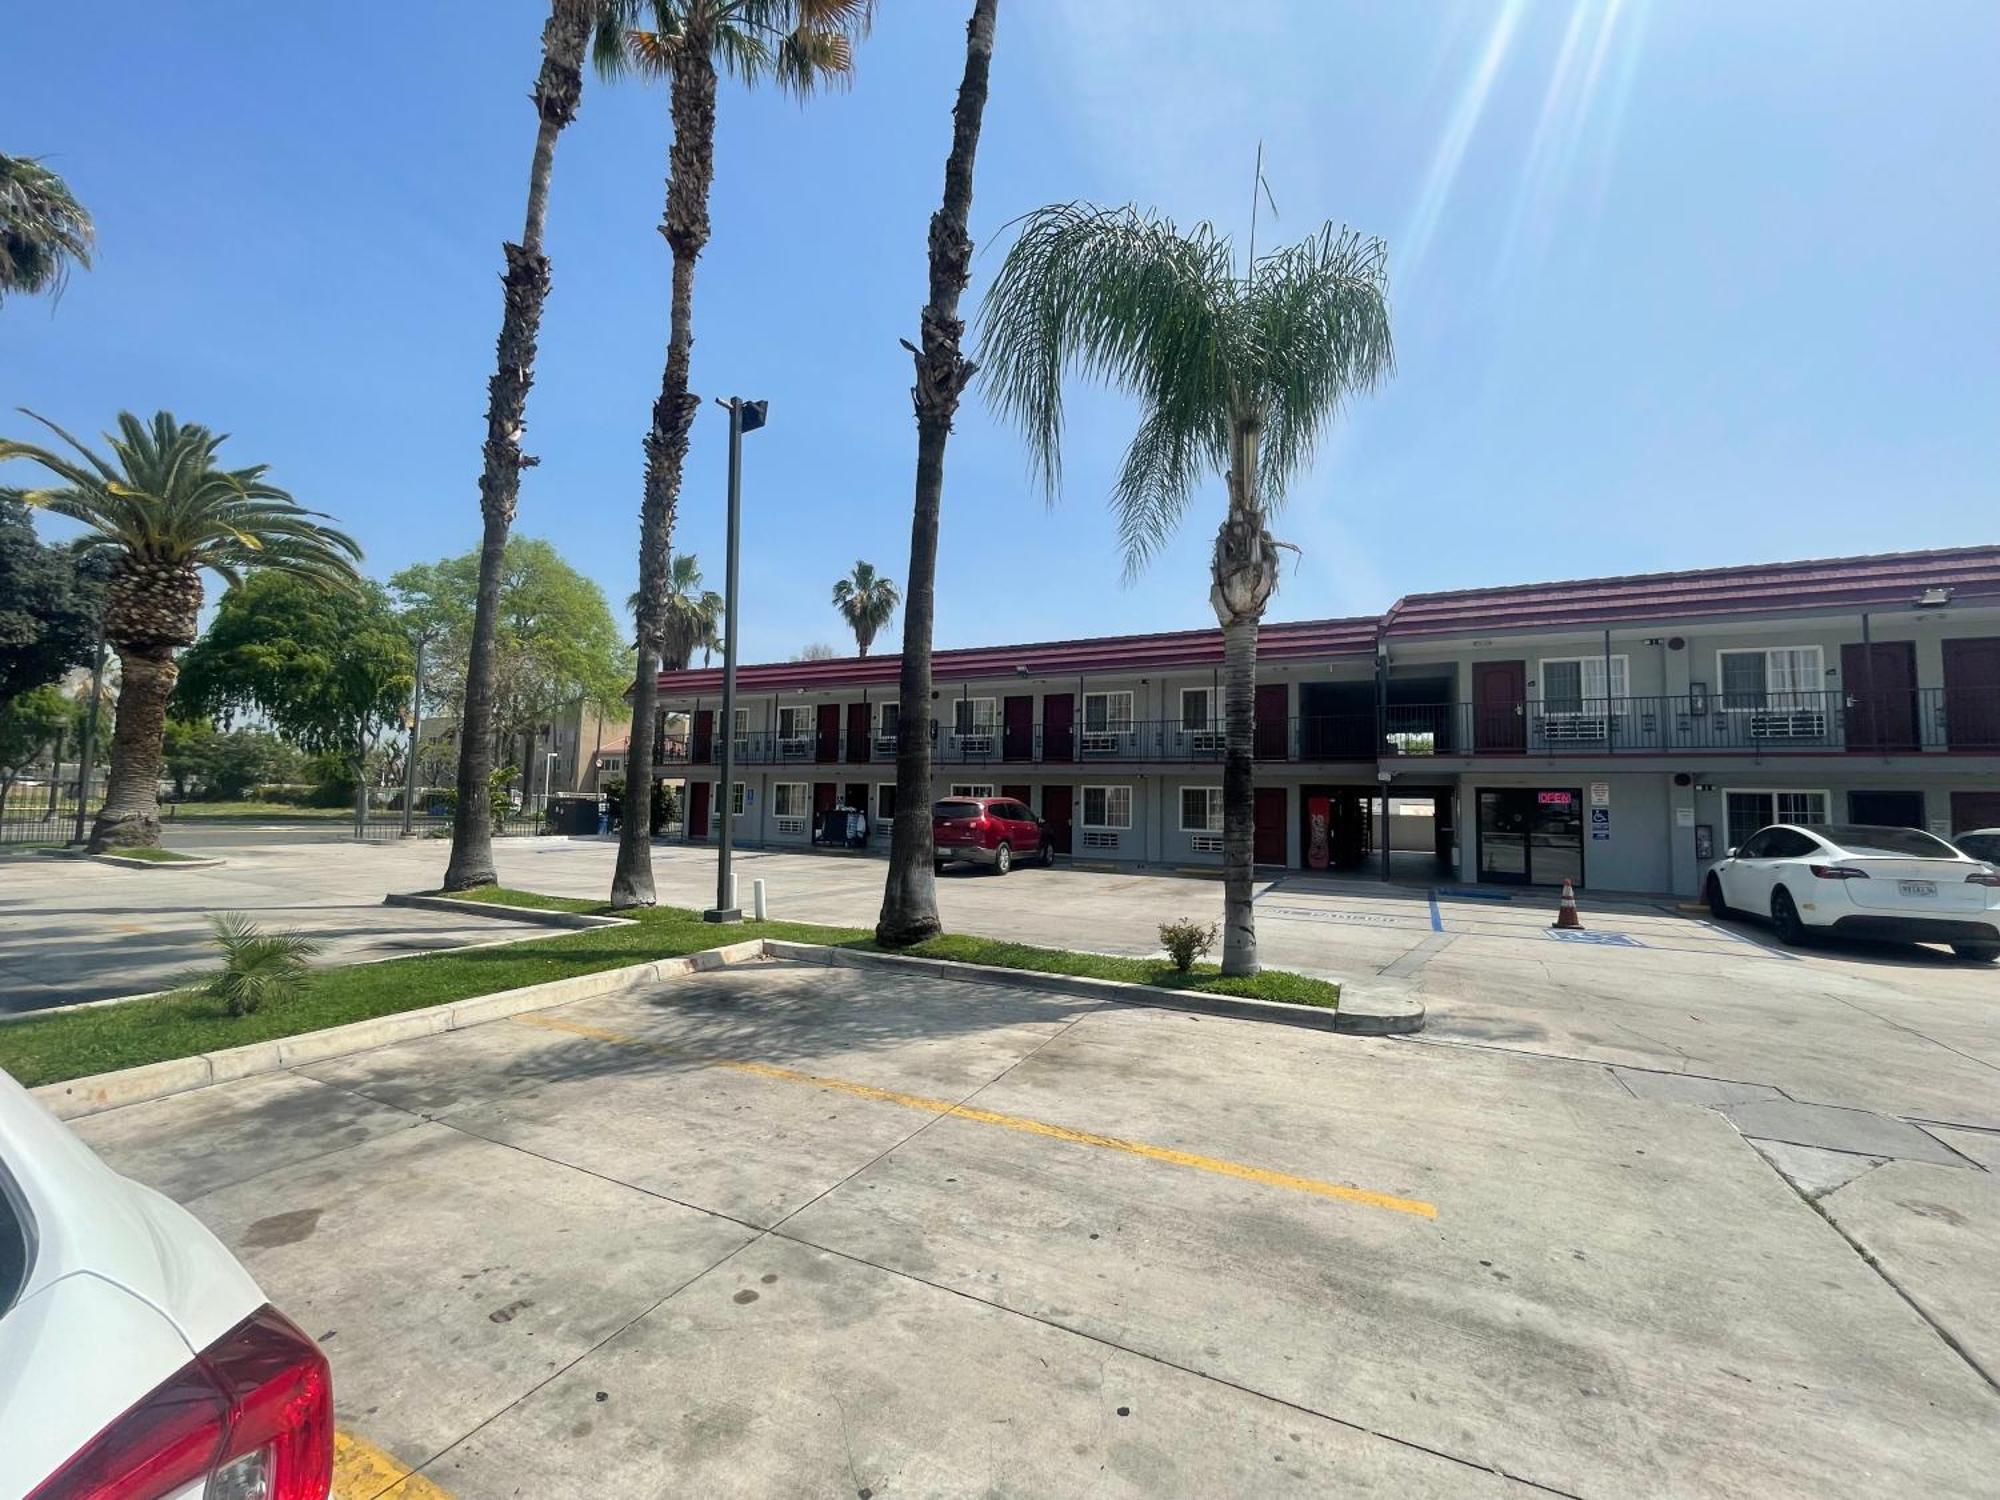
[1983,877]
[1838,872]
[252,1415]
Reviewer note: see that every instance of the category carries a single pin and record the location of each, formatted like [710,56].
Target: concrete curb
[534,915]
[195,862]
[103,1091]
[1114,991]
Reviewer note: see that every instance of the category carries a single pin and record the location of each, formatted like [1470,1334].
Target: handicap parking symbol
[1601,939]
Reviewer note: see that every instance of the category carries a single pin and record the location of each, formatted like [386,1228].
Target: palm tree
[42,228]
[162,508]
[1236,373]
[800,45]
[867,602]
[524,288]
[909,893]
[692,615]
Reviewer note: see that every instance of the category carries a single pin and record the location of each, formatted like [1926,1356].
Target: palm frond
[43,229]
[258,967]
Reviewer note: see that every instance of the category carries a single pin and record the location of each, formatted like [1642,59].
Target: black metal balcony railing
[1882,723]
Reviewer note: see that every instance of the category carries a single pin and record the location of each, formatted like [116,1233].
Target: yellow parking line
[1215,1164]
[361,1471]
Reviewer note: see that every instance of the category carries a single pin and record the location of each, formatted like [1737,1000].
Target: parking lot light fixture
[744,416]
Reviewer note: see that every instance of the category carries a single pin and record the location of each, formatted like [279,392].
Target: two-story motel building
[1615,731]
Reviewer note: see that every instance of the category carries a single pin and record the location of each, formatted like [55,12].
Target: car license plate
[1917,887]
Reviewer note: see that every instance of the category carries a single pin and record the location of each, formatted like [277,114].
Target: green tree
[187,748]
[867,601]
[1238,373]
[43,229]
[161,508]
[524,287]
[799,44]
[30,724]
[242,760]
[559,644]
[909,893]
[48,605]
[329,669]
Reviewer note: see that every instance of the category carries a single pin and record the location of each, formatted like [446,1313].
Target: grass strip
[152,855]
[49,1049]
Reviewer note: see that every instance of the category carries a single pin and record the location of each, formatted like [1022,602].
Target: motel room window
[972,789]
[735,800]
[790,804]
[885,802]
[1782,677]
[1107,806]
[1201,809]
[1750,811]
[973,717]
[885,721]
[742,735]
[795,721]
[1576,684]
[1198,710]
[1107,713]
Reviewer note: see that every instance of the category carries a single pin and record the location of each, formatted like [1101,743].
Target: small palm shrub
[1186,941]
[258,967]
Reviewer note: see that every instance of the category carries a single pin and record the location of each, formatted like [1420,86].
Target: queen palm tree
[909,892]
[43,229]
[524,288]
[162,508]
[1238,372]
[867,602]
[800,45]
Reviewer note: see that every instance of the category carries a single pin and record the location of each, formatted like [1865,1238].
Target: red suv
[991,831]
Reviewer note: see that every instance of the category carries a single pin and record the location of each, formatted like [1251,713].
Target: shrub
[1186,941]
[258,967]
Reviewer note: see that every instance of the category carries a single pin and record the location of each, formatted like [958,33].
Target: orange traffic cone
[1566,918]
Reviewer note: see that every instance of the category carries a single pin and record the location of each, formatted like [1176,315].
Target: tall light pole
[744,416]
[88,755]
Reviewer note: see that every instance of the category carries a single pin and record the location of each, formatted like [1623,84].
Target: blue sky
[1676,282]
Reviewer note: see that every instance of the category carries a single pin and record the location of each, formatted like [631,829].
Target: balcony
[1960,719]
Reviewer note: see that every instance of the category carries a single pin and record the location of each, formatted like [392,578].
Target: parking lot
[782,1230]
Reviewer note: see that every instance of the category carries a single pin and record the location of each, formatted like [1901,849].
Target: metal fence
[386,825]
[30,818]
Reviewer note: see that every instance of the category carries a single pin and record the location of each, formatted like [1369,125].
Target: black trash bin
[573,813]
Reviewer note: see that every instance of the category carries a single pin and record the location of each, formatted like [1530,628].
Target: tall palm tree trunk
[909,898]
[690,171]
[131,811]
[1244,575]
[525,284]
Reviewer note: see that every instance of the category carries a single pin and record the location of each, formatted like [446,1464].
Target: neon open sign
[1555,799]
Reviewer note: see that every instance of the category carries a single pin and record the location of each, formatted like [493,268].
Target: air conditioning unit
[1788,724]
[1206,741]
[1099,744]
[1573,728]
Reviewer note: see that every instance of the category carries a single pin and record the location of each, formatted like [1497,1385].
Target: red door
[826,736]
[1274,736]
[1018,738]
[825,795]
[857,731]
[1881,683]
[1270,816]
[704,745]
[1972,695]
[1059,732]
[1499,706]
[697,810]
[1056,805]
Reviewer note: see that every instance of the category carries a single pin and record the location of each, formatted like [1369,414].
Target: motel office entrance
[1530,835]
[1342,830]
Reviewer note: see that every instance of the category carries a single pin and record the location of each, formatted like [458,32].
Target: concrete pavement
[777,1231]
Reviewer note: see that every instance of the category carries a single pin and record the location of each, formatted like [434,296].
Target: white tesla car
[1898,884]
[138,1360]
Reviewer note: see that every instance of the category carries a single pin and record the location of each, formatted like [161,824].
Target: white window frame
[978,725]
[1113,723]
[742,735]
[1213,824]
[715,799]
[972,789]
[881,817]
[1620,686]
[1083,806]
[1211,719]
[1773,696]
[790,715]
[778,799]
[882,712]
[1774,793]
